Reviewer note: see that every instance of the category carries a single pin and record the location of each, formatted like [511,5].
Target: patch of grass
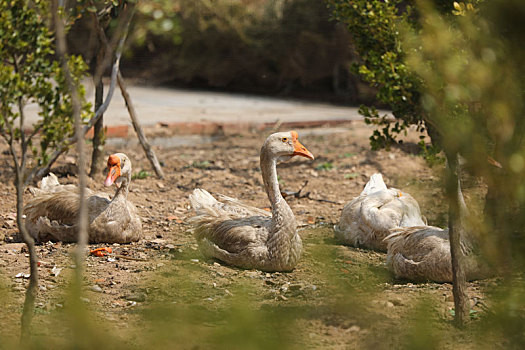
[351,175]
[140,175]
[349,155]
[325,166]
[201,165]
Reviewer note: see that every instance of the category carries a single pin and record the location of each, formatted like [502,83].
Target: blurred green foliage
[376,28]
[30,74]
[472,65]
[251,45]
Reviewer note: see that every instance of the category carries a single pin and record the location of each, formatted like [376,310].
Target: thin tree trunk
[456,230]
[20,170]
[98,130]
[75,101]
[32,288]
[138,129]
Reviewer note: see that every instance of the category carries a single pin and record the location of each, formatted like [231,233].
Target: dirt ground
[161,292]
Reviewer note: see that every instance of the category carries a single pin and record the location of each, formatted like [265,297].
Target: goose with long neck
[366,220]
[53,215]
[245,236]
[422,253]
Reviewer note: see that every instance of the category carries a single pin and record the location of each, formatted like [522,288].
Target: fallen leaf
[100,252]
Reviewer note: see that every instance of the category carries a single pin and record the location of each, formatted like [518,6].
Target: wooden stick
[138,128]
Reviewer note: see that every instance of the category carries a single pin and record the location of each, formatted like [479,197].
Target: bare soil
[161,292]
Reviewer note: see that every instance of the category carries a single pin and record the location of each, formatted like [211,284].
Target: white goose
[367,219]
[247,237]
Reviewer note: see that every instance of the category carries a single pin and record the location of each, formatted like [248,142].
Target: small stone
[55,271]
[194,260]
[138,297]
[85,300]
[354,328]
[96,288]
[282,297]
[160,185]
[252,274]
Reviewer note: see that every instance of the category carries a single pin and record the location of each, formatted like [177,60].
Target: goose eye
[285,139]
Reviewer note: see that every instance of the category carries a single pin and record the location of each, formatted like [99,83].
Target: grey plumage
[248,237]
[53,213]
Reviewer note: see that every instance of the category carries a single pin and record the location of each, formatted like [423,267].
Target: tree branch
[38,173]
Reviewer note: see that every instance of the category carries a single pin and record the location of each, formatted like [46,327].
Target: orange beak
[114,170]
[300,150]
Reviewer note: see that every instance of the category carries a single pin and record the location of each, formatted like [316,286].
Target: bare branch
[40,172]
[138,129]
[131,109]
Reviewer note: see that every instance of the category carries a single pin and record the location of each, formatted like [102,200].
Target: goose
[53,215]
[247,237]
[366,220]
[422,253]
[50,184]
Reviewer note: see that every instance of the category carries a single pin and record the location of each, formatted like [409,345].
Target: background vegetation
[453,69]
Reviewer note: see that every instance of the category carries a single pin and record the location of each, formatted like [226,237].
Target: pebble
[138,297]
[55,271]
[354,328]
[252,274]
[194,260]
[96,288]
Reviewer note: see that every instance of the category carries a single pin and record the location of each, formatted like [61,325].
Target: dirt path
[160,292]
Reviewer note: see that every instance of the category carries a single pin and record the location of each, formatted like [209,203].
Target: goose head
[119,169]
[285,145]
